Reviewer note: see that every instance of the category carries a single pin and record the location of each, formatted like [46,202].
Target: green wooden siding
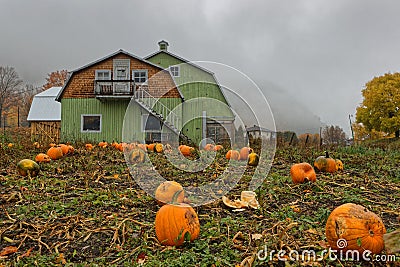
[195,83]
[113,114]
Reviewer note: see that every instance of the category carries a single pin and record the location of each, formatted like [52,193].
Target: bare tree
[333,135]
[9,84]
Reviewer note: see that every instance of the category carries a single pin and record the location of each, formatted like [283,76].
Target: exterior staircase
[159,110]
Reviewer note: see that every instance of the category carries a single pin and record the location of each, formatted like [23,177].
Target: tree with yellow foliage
[379,110]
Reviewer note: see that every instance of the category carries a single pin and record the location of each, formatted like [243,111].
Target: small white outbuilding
[45,116]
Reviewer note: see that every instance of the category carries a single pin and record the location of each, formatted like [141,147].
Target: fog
[311,58]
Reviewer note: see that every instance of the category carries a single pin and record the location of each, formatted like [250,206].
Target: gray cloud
[320,52]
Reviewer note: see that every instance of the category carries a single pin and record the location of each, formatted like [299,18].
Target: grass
[86,209]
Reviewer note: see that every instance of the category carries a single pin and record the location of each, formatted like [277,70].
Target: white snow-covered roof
[45,107]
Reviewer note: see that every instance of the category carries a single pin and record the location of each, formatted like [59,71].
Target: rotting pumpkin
[42,157]
[302,172]
[354,227]
[28,167]
[176,223]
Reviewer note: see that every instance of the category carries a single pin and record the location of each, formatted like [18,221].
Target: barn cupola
[163,45]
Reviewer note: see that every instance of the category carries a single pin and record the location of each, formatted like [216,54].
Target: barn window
[175,71]
[91,123]
[150,123]
[103,75]
[140,76]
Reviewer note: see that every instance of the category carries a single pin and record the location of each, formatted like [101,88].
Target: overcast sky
[310,57]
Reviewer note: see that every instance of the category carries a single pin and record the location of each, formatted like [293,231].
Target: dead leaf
[26,254]
[248,261]
[256,236]
[312,231]
[61,259]
[249,197]
[237,237]
[8,250]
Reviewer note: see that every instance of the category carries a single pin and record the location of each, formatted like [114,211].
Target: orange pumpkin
[244,153]
[88,146]
[232,154]
[103,144]
[218,147]
[159,148]
[302,172]
[175,223]
[186,150]
[325,163]
[119,147]
[353,227]
[64,148]
[209,147]
[55,152]
[142,147]
[42,157]
[339,165]
[166,191]
[150,147]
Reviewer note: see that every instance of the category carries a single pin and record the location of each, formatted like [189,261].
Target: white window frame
[140,71]
[91,115]
[102,71]
[175,70]
[144,119]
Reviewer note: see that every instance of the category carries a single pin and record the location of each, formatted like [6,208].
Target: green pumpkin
[27,166]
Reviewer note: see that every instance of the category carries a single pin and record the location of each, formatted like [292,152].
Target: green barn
[122,97]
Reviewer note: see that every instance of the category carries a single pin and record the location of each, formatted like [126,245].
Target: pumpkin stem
[326,154]
[175,196]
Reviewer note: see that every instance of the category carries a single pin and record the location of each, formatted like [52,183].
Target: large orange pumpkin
[232,154]
[166,191]
[176,223]
[325,163]
[353,227]
[55,152]
[302,172]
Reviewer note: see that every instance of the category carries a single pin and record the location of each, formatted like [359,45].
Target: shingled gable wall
[81,84]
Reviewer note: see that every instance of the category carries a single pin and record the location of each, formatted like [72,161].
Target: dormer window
[175,71]
[140,76]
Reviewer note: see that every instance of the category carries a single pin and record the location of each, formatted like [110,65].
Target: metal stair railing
[159,109]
